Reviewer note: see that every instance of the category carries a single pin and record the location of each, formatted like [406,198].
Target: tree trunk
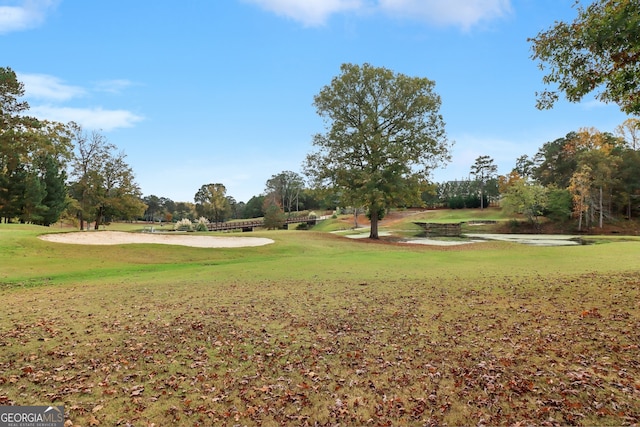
[601,208]
[99,218]
[580,215]
[610,203]
[592,211]
[374,223]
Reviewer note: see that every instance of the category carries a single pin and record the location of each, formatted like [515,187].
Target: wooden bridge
[258,223]
[453,229]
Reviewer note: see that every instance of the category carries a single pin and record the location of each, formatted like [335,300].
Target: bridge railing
[236,225]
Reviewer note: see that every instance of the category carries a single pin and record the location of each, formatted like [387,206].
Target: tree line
[286,192]
[50,169]
[588,175]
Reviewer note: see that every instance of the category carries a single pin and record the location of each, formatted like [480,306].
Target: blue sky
[199,91]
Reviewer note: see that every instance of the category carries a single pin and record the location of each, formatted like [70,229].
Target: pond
[532,239]
[465,239]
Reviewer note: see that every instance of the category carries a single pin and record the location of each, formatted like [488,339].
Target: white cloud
[89,118]
[113,86]
[43,86]
[593,104]
[461,13]
[29,14]
[309,12]
[50,98]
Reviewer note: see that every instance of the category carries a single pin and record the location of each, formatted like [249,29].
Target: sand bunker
[119,238]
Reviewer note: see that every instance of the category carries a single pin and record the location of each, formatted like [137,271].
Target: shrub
[514,225]
[559,205]
[274,218]
[202,223]
[472,202]
[183,225]
[456,202]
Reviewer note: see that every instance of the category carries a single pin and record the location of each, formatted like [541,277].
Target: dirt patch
[120,237]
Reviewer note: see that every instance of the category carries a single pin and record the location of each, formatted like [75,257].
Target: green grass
[341,222]
[319,328]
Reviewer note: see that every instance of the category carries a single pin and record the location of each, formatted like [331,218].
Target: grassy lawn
[321,329]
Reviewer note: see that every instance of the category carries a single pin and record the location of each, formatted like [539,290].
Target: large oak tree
[384,135]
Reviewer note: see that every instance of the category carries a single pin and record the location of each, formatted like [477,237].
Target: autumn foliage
[501,350]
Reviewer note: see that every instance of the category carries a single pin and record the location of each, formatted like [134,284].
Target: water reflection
[465,239]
